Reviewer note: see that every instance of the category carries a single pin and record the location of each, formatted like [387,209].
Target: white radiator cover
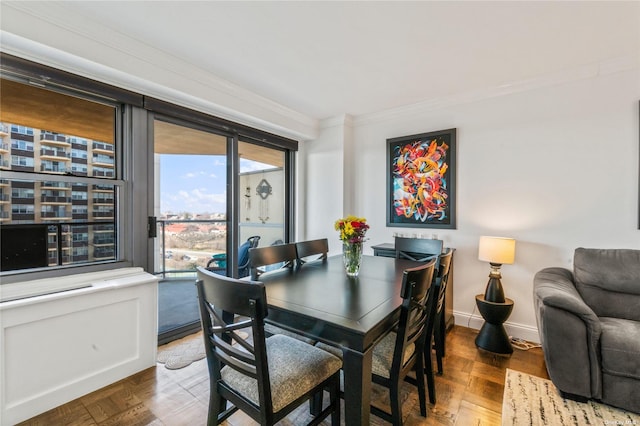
[58,347]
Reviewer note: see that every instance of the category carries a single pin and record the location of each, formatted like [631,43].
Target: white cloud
[194,200]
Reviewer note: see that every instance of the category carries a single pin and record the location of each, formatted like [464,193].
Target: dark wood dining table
[320,301]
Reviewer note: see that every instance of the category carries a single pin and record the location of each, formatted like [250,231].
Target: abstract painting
[421,180]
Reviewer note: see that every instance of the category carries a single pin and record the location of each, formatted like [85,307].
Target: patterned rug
[181,352]
[530,400]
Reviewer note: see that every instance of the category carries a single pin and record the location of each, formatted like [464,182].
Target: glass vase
[352,256]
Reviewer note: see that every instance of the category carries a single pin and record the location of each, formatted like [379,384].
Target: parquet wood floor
[468,393]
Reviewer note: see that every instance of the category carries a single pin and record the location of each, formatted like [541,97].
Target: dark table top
[321,301]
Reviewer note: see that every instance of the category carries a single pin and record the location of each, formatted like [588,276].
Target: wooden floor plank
[468,393]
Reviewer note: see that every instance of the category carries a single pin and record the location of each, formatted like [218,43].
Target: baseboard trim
[514,329]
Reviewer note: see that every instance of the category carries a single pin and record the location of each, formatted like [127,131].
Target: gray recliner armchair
[589,326]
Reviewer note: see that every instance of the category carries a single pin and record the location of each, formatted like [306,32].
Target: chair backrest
[417,249]
[226,305]
[284,254]
[243,250]
[441,278]
[416,313]
[305,249]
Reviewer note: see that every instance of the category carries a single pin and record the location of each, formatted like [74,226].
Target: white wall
[321,184]
[554,166]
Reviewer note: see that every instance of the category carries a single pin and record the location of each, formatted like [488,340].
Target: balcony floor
[178,313]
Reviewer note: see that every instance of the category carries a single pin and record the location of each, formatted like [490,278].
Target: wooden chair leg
[334,398]
[422,397]
[394,397]
[216,406]
[438,342]
[428,370]
[315,404]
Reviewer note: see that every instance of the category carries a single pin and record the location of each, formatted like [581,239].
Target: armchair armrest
[569,333]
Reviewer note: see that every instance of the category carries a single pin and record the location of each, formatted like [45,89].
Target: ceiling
[325,59]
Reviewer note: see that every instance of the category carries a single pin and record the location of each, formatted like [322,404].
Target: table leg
[357,386]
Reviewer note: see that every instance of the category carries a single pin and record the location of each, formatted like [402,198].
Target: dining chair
[312,250]
[402,351]
[267,378]
[442,279]
[417,249]
[283,255]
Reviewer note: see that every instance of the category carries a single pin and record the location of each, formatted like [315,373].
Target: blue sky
[196,183]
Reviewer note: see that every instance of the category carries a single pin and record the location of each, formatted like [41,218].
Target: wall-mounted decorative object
[264,189]
[421,171]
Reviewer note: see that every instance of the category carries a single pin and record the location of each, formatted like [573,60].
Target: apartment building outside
[80,218]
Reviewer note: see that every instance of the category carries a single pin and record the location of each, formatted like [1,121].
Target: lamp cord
[471,316]
[522,344]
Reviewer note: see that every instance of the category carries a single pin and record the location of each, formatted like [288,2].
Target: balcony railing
[100,173]
[53,169]
[185,244]
[55,199]
[103,146]
[48,137]
[54,153]
[54,215]
[102,214]
[109,201]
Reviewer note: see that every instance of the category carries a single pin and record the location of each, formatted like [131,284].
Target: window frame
[120,183]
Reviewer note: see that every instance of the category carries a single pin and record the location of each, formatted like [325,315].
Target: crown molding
[343,120]
[56,35]
[610,66]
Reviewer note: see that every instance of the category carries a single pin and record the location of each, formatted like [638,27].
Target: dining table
[320,301]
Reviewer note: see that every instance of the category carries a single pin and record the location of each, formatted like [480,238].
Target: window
[22,130]
[21,145]
[64,139]
[22,209]
[49,179]
[77,153]
[22,193]
[18,160]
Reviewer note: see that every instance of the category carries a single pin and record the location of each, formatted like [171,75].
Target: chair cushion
[620,347]
[274,329]
[294,369]
[383,355]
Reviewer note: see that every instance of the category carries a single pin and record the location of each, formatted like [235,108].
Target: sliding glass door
[263,195]
[190,169]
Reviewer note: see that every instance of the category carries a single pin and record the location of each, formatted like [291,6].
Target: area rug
[182,352]
[530,400]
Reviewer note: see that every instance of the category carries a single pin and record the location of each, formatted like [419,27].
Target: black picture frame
[421,180]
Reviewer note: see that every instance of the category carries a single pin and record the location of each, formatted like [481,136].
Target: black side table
[492,336]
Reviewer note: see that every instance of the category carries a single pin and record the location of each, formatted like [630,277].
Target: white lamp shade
[497,250]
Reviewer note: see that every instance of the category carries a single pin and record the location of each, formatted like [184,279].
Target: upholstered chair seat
[289,361]
[271,329]
[383,355]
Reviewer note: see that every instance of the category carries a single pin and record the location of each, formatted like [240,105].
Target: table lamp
[497,251]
